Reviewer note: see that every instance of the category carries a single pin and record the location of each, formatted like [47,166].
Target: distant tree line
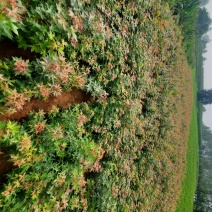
[203,201]
[203,26]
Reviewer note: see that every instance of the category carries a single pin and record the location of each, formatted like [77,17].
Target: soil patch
[63,101]
[5,167]
[10,49]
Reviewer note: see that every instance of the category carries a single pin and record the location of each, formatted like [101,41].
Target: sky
[207,116]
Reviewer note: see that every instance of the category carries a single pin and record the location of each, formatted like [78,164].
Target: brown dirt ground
[5,167]
[9,49]
[63,101]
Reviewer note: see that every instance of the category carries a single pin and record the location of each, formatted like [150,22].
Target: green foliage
[8,27]
[186,13]
[68,153]
[10,18]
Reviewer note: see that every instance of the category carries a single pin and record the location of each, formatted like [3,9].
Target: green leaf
[14,28]
[51,35]
[13,127]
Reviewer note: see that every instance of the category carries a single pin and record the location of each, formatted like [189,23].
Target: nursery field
[95,106]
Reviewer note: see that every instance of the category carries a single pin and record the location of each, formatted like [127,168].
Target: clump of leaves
[10,17]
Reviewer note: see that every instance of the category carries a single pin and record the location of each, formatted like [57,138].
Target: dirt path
[63,101]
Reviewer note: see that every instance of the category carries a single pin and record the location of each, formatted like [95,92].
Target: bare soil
[63,101]
[5,167]
[9,49]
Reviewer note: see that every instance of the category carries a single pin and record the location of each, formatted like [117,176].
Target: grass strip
[186,201]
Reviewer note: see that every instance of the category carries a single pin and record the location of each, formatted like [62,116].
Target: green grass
[186,201]
[189,184]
